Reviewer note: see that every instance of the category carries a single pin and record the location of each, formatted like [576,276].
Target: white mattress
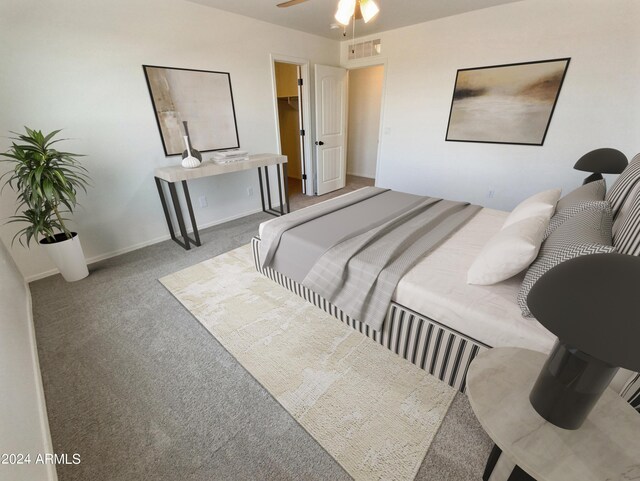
[437,288]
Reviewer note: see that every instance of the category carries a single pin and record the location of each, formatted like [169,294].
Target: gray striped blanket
[360,272]
[273,231]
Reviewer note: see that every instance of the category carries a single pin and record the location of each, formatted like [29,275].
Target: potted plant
[47,182]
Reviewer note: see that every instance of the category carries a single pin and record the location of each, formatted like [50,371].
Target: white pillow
[508,252]
[541,204]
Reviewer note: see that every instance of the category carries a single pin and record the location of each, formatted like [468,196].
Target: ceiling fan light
[345,11]
[369,9]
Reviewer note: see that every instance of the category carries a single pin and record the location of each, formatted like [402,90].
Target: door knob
[320,142]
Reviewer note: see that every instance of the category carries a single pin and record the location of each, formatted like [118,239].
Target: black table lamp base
[569,385]
[592,178]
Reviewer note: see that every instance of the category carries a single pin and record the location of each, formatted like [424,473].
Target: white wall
[23,418]
[599,105]
[365,97]
[76,65]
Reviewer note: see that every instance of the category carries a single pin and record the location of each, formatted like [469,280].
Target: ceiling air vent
[370,48]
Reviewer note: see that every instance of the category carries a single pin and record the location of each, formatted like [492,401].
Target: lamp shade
[602,161]
[591,303]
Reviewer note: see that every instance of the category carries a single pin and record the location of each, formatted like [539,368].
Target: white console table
[177,174]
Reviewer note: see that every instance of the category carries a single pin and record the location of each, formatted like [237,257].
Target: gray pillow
[587,232]
[586,196]
[593,191]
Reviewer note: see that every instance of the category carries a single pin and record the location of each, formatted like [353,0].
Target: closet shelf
[291,101]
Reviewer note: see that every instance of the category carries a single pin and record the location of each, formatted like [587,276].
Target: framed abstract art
[506,104]
[202,98]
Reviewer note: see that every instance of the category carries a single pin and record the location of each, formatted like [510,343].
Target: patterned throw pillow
[627,237]
[568,212]
[588,232]
[624,184]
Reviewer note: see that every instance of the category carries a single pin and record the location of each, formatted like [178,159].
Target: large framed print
[506,104]
[202,98]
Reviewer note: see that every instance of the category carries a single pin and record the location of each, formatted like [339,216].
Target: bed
[435,319]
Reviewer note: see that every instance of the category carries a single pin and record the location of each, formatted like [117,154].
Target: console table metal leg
[283,191]
[175,200]
[261,188]
[286,185]
[165,209]
[266,176]
[192,216]
[280,190]
[178,211]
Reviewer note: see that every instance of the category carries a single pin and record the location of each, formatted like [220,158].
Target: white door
[331,128]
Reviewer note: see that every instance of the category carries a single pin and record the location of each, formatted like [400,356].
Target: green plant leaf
[44,180]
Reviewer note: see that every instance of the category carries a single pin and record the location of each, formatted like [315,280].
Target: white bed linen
[437,288]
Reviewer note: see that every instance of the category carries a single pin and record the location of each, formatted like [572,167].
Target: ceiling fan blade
[290,3]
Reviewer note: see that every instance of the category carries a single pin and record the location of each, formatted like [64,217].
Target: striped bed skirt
[434,347]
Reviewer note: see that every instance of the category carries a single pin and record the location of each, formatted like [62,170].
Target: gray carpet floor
[298,200]
[142,391]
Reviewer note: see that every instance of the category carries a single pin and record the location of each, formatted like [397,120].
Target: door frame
[309,156]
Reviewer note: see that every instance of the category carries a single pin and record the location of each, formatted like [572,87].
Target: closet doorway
[291,114]
[365,111]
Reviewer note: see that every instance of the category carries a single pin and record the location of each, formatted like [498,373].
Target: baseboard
[140,245]
[41,275]
[52,475]
[367,176]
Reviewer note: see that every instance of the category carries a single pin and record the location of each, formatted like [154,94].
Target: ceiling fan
[358,9]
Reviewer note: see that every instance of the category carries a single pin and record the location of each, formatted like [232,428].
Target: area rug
[373,411]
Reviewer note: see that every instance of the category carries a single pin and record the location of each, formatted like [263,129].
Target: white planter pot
[68,257]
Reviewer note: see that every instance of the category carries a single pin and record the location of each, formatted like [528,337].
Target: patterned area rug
[374,412]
